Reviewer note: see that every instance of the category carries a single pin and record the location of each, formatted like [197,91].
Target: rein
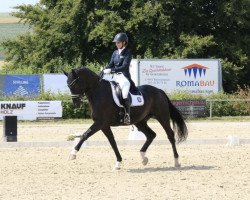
[73,82]
[101,76]
[76,96]
[80,96]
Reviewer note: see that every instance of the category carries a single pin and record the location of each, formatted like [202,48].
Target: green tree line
[65,34]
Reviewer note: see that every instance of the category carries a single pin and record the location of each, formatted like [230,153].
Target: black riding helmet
[121,37]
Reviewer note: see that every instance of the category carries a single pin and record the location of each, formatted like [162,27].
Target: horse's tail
[179,124]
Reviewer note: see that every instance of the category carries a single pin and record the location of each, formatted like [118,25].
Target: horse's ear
[66,74]
[74,73]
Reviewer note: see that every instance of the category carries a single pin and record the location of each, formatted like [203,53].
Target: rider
[119,65]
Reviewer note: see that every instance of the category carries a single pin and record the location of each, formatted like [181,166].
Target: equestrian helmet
[121,37]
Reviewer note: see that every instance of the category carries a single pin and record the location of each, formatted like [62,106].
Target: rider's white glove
[107,71]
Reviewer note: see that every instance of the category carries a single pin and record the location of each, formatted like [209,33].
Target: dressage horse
[105,113]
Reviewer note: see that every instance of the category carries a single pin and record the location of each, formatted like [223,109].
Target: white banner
[55,83]
[31,110]
[197,76]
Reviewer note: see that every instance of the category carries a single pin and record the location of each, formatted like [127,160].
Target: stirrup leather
[126,119]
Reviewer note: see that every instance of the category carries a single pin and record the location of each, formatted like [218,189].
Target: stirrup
[127,119]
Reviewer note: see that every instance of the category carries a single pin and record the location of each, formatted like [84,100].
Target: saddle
[136,98]
[135,95]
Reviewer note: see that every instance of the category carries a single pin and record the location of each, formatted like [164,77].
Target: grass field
[9,28]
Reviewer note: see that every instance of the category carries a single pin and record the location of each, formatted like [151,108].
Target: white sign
[133,69]
[31,110]
[55,83]
[197,76]
[135,134]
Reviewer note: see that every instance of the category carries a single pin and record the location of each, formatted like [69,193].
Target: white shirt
[120,50]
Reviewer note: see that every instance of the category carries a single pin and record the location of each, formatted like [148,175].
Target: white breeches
[124,84]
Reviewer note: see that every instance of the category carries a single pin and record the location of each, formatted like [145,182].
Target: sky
[7,5]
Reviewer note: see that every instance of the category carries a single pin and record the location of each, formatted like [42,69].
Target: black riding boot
[127,111]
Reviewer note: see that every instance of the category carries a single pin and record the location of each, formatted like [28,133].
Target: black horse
[105,113]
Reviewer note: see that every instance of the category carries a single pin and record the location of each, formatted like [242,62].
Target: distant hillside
[10,28]
[8,18]
[6,15]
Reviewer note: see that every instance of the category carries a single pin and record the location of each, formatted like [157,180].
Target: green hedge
[229,108]
[69,112]
[219,108]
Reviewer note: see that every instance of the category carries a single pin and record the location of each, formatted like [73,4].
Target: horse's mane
[86,71]
[87,75]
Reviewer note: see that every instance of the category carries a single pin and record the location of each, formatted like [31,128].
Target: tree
[226,26]
[69,33]
[58,37]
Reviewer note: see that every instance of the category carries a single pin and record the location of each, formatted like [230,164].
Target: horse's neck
[97,89]
[93,86]
[89,78]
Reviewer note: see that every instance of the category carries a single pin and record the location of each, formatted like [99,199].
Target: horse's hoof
[145,161]
[72,157]
[177,165]
[117,166]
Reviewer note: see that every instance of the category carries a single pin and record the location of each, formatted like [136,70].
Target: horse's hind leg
[150,135]
[170,133]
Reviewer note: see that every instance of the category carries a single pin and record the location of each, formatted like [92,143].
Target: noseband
[75,96]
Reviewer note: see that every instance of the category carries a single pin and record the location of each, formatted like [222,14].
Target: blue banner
[22,85]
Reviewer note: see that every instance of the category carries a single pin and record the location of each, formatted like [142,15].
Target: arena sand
[207,171]
[197,130]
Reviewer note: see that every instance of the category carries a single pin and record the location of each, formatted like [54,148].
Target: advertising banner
[31,110]
[55,83]
[133,69]
[191,108]
[22,85]
[197,76]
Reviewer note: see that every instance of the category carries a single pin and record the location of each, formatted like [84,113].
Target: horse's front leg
[108,133]
[93,129]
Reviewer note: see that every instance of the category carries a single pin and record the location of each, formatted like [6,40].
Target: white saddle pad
[137,100]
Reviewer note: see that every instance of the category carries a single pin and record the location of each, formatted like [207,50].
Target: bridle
[76,96]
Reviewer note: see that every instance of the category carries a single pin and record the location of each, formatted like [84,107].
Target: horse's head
[76,87]
[80,82]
